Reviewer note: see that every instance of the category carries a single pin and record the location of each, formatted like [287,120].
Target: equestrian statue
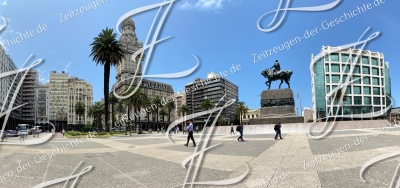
[276,74]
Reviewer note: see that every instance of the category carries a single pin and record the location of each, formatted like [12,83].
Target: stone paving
[152,161]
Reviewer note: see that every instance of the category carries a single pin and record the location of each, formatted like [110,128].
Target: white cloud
[204,5]
[42,77]
[4,3]
[66,68]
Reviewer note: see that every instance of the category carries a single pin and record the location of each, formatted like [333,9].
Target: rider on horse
[277,68]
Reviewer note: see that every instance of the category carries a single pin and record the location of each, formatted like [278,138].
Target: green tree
[139,102]
[147,102]
[80,109]
[183,109]
[96,111]
[106,51]
[162,113]
[170,106]
[241,110]
[221,120]
[120,109]
[157,102]
[206,104]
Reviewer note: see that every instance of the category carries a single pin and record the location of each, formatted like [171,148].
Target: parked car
[11,133]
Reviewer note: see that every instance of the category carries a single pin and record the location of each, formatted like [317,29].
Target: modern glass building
[365,96]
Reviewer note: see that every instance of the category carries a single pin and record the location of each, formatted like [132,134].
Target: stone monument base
[277,106]
[275,120]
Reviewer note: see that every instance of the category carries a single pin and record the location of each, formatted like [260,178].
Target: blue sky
[219,32]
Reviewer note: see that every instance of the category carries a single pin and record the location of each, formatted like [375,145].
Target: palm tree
[221,120]
[120,109]
[79,109]
[241,110]
[170,106]
[183,109]
[139,101]
[157,102]
[113,101]
[106,51]
[96,111]
[162,114]
[206,104]
[147,102]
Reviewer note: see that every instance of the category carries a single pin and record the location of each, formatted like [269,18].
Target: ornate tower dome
[128,24]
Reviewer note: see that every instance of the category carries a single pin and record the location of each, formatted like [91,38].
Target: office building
[8,87]
[214,87]
[82,92]
[42,108]
[58,87]
[365,98]
[29,97]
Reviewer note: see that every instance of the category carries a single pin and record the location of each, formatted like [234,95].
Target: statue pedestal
[277,106]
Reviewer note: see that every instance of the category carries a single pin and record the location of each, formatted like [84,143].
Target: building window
[356,110]
[327,79]
[345,57]
[357,100]
[348,90]
[357,80]
[345,68]
[377,100]
[375,71]
[374,61]
[348,100]
[375,81]
[367,100]
[335,78]
[335,57]
[367,90]
[366,81]
[356,89]
[335,68]
[354,58]
[328,89]
[356,69]
[326,67]
[376,91]
[365,70]
[346,110]
[365,60]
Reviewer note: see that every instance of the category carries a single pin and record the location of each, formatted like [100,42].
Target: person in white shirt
[190,136]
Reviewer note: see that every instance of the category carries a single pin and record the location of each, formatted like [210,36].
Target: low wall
[302,127]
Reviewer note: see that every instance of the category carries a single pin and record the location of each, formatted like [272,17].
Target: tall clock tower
[127,67]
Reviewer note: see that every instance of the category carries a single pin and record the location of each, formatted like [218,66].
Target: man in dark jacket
[241,132]
[277,129]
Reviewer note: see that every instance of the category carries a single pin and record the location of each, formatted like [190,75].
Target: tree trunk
[169,116]
[106,88]
[112,115]
[157,116]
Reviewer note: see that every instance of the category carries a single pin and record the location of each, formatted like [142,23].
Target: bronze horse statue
[283,75]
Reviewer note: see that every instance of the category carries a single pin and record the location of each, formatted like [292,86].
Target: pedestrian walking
[190,135]
[158,129]
[130,131]
[277,129]
[232,131]
[63,132]
[177,130]
[240,129]
[197,129]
